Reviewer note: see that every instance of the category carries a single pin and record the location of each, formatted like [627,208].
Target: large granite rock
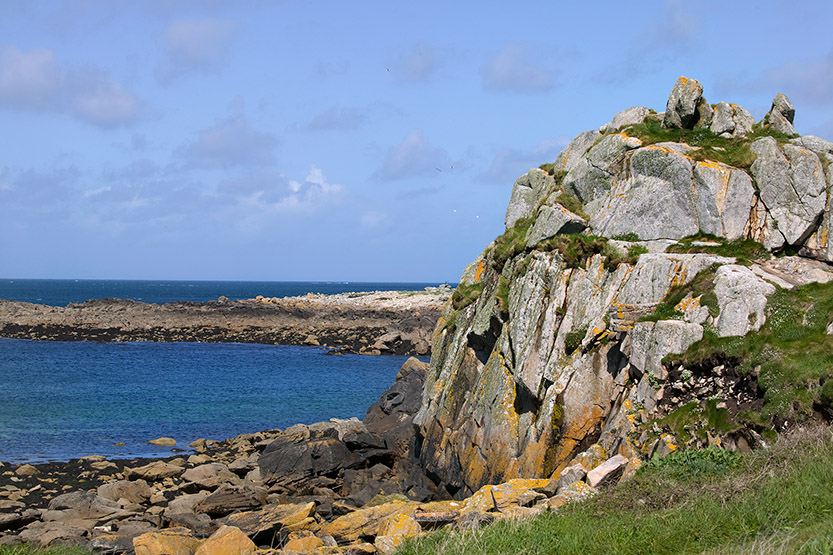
[792,189]
[525,194]
[681,110]
[781,115]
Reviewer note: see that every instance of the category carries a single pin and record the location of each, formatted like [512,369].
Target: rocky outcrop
[382,322]
[563,348]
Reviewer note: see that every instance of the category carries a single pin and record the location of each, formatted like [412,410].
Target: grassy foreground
[54,550]
[778,500]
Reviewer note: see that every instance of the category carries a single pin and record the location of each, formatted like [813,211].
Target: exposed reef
[386,322]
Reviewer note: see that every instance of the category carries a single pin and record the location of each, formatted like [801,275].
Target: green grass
[577,249]
[792,354]
[510,244]
[702,284]
[744,250]
[572,340]
[709,146]
[770,501]
[27,549]
[464,295]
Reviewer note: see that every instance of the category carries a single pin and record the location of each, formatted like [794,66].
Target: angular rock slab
[681,108]
[792,188]
[526,191]
[173,541]
[227,540]
[741,296]
[271,519]
[781,115]
[607,472]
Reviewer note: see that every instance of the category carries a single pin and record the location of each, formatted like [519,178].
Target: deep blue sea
[63,400]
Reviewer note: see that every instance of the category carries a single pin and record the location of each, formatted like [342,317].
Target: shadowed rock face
[551,358]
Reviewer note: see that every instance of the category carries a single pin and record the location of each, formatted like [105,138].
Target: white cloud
[414,156]
[29,80]
[511,69]
[309,195]
[194,45]
[34,81]
[230,142]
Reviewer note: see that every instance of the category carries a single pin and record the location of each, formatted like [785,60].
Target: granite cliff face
[552,348]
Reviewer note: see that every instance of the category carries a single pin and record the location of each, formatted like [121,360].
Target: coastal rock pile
[381,322]
[555,339]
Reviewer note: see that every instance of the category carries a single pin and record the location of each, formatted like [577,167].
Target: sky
[331,140]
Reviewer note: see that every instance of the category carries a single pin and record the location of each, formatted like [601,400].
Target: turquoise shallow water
[64,400]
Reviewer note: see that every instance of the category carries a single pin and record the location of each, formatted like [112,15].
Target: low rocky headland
[381,322]
[664,286]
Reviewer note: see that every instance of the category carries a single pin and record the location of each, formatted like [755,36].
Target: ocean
[65,400]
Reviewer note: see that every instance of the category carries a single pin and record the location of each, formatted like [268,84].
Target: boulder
[263,525]
[722,197]
[654,202]
[365,522]
[210,476]
[302,452]
[741,296]
[792,188]
[629,116]
[572,473]
[26,470]
[591,176]
[228,499]
[569,157]
[136,491]
[781,115]
[607,472]
[681,110]
[153,472]
[525,194]
[391,417]
[227,540]
[551,221]
[173,541]
[163,441]
[731,120]
[84,504]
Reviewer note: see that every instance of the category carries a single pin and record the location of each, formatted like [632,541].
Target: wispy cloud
[416,64]
[194,45]
[34,81]
[338,118]
[414,156]
[513,69]
[228,143]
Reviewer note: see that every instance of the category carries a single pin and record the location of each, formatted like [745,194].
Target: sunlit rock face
[554,347]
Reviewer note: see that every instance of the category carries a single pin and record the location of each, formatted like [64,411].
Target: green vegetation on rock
[745,251]
[708,145]
[28,549]
[465,294]
[701,286]
[792,354]
[771,500]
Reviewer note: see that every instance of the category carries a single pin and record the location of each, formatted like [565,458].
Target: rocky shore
[337,487]
[382,322]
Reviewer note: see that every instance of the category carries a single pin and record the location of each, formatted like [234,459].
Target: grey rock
[87,504]
[570,475]
[681,108]
[741,296]
[526,191]
[781,115]
[723,196]
[569,157]
[185,503]
[230,499]
[654,202]
[723,120]
[551,221]
[792,188]
[153,472]
[210,476]
[591,176]
[136,491]
[629,116]
[651,341]
[391,417]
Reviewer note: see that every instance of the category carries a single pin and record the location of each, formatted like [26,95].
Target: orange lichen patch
[688,303]
[479,272]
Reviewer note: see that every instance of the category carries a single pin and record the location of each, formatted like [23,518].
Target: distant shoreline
[380,322]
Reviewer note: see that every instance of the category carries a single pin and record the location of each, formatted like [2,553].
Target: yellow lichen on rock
[227,540]
[174,541]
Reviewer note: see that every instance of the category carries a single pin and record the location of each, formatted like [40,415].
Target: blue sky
[335,140]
